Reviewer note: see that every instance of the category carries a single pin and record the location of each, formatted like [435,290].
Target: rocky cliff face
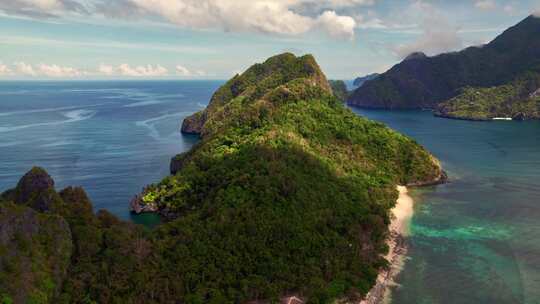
[423,82]
[54,249]
[35,247]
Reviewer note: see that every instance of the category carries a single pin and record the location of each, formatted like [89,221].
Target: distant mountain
[420,81]
[339,89]
[358,82]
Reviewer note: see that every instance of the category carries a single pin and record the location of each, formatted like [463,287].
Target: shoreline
[398,230]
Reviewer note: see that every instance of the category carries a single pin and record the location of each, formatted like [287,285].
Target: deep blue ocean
[473,240]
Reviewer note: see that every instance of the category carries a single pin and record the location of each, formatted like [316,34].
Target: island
[498,80]
[287,195]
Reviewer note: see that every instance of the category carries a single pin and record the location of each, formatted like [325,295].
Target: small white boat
[502,118]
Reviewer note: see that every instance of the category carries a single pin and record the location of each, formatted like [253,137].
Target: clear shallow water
[474,240]
[477,238]
[112,138]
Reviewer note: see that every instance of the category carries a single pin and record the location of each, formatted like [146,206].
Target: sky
[216,39]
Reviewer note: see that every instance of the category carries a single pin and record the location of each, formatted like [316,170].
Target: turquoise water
[477,238]
[474,240]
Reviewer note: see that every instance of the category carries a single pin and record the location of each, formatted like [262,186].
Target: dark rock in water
[519,116]
[138,205]
[35,181]
[193,124]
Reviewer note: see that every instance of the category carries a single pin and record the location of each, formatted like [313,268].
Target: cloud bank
[281,17]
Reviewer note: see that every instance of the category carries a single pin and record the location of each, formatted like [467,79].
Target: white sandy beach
[399,227]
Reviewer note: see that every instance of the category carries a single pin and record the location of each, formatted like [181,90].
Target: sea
[474,240]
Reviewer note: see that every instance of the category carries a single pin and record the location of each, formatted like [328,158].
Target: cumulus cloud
[57,71]
[283,17]
[275,17]
[4,70]
[25,69]
[142,71]
[107,70]
[183,71]
[337,26]
[45,70]
[485,4]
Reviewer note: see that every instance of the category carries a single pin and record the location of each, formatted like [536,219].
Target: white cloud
[4,70]
[107,70]
[45,70]
[25,69]
[283,17]
[57,71]
[337,26]
[485,4]
[183,71]
[142,71]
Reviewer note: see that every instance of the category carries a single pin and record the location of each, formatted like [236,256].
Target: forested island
[287,193]
[492,81]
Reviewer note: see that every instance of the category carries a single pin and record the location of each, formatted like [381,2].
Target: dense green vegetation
[339,88]
[518,100]
[288,192]
[423,82]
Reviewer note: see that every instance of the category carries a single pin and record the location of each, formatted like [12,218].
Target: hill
[339,89]
[519,100]
[423,82]
[287,193]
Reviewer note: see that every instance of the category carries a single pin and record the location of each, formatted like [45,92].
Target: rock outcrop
[35,252]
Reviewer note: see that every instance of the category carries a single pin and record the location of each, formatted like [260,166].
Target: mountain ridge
[423,82]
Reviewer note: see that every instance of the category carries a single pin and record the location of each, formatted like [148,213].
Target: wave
[151,99]
[73,116]
[53,109]
[150,123]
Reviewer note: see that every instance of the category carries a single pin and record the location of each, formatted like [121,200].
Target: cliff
[424,82]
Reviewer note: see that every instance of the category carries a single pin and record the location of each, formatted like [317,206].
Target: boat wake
[73,116]
[150,123]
